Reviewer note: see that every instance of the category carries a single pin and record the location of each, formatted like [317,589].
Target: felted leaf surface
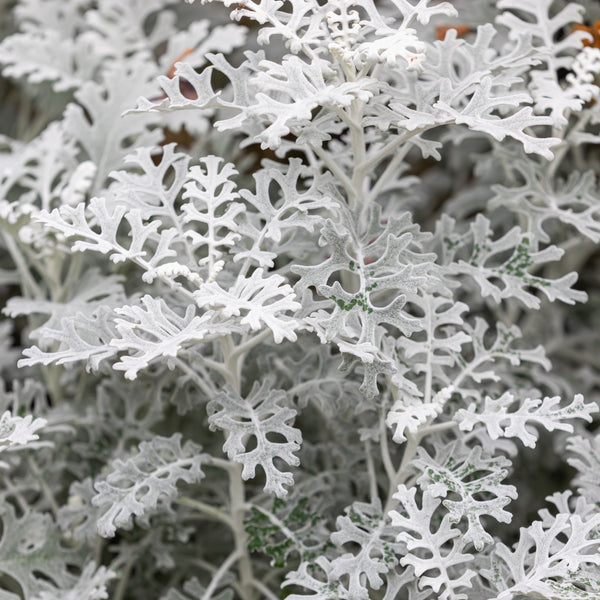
[545,561]
[366,526]
[77,518]
[262,413]
[543,201]
[32,554]
[585,457]
[145,184]
[91,292]
[376,269]
[90,586]
[504,346]
[80,337]
[317,578]
[442,338]
[148,246]
[550,27]
[408,415]
[136,485]
[298,203]
[313,376]
[47,55]
[97,122]
[546,412]
[259,301]
[487,265]
[153,330]
[211,196]
[36,175]
[480,115]
[437,556]
[18,431]
[292,90]
[476,479]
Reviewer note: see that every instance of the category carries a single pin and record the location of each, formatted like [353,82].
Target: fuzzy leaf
[547,413]
[540,199]
[91,586]
[18,431]
[97,122]
[436,556]
[378,269]
[551,30]
[317,578]
[296,204]
[513,272]
[407,416]
[210,194]
[257,301]
[504,347]
[148,246]
[546,559]
[47,55]
[479,116]
[153,330]
[470,475]
[364,525]
[136,485]
[277,105]
[585,457]
[31,553]
[80,337]
[152,182]
[261,414]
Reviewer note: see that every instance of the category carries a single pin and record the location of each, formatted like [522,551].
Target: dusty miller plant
[293,300]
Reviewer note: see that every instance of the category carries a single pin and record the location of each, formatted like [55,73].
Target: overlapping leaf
[371,274]
[546,560]
[585,457]
[136,485]
[366,526]
[257,300]
[543,201]
[500,278]
[31,553]
[547,23]
[262,413]
[437,556]
[472,483]
[153,330]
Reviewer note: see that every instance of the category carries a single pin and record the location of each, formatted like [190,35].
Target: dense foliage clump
[300,303]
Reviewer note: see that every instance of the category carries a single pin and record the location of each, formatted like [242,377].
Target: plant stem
[233,364]
[205,508]
[219,574]
[30,287]
[334,168]
[359,152]
[45,488]
[410,450]
[122,587]
[265,590]
[195,377]
[242,349]
[371,471]
[385,450]
[238,503]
